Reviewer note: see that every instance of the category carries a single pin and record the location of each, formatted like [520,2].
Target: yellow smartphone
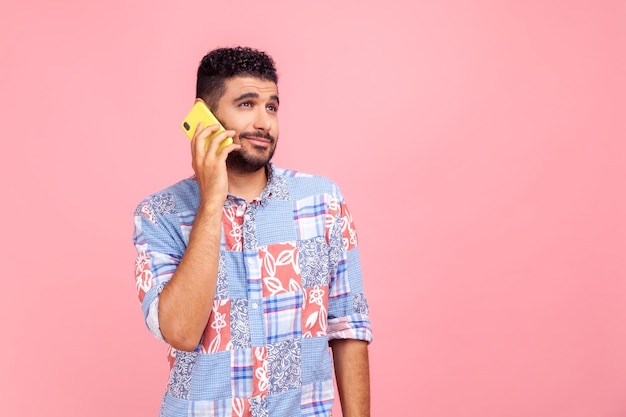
[201,113]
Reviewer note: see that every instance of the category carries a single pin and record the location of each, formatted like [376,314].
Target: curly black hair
[223,63]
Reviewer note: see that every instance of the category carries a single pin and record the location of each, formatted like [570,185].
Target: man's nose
[263,121]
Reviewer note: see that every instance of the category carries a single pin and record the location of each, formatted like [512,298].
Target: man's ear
[205,103]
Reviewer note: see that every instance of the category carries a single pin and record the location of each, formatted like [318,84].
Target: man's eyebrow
[246,96]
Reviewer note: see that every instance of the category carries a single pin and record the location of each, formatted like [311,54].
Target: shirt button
[250,261]
[255,305]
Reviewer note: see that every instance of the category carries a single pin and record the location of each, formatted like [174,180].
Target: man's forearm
[187,300]
[352,373]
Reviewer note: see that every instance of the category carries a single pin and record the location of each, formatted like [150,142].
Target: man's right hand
[186,302]
[209,165]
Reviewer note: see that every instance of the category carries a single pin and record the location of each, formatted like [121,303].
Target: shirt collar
[276,188]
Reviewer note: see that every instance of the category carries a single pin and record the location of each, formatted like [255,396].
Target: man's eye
[246,104]
[272,108]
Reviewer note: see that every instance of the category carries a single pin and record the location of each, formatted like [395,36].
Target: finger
[223,152]
[200,137]
[213,147]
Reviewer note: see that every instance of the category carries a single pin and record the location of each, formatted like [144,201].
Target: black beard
[245,163]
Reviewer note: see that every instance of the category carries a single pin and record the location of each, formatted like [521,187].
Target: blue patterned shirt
[289,280]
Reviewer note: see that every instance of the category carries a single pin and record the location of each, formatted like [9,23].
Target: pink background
[480,145]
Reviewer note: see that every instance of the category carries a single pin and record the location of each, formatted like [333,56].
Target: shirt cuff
[152,320]
[356,326]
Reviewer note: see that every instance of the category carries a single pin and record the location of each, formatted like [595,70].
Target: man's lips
[257,140]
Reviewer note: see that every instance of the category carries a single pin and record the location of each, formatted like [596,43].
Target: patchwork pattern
[314,313]
[260,378]
[302,286]
[283,316]
[163,204]
[143,271]
[279,268]
[338,216]
[240,408]
[360,304]
[317,399]
[340,285]
[180,374]
[233,229]
[258,407]
[157,205]
[242,368]
[310,217]
[217,333]
[239,325]
[314,261]
[146,211]
[221,289]
[284,366]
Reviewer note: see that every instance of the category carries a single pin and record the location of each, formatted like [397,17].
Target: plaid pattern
[317,399]
[310,216]
[283,316]
[242,366]
[289,281]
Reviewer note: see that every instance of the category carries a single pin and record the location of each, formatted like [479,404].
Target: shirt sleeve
[159,242]
[348,311]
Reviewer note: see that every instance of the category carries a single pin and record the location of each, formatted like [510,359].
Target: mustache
[257,134]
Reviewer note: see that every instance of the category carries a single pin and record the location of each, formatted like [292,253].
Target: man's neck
[247,185]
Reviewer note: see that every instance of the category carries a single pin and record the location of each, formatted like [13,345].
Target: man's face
[250,107]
